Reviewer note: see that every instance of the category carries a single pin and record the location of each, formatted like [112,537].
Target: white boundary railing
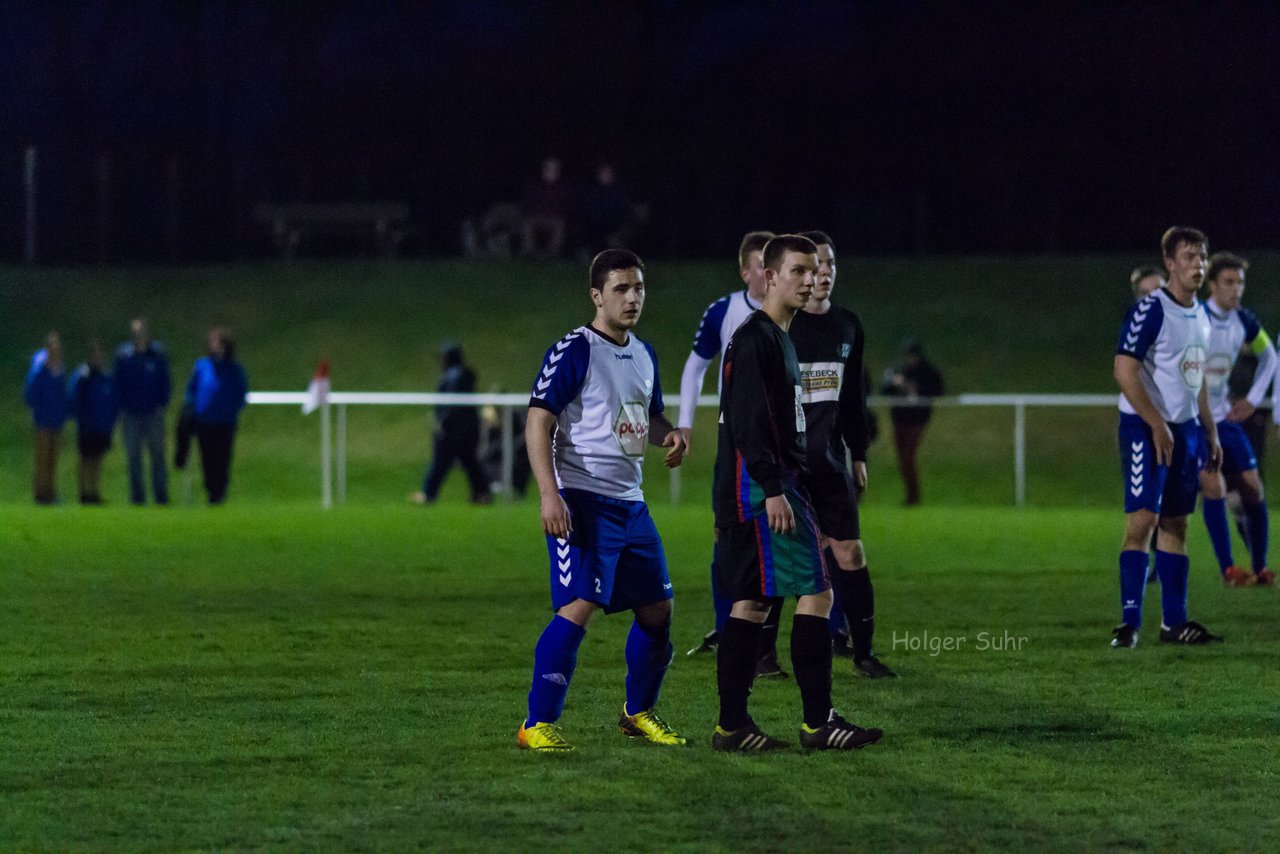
[333,459]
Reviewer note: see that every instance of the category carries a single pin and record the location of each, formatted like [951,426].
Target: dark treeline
[903,127]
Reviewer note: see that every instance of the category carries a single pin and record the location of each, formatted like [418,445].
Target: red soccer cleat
[1266,578]
[1234,576]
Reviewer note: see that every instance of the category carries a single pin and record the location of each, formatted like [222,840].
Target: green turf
[273,676]
[993,325]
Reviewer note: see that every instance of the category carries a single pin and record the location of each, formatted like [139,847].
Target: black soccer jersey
[762,426]
[829,348]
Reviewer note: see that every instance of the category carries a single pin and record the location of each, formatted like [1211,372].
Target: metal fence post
[508,452]
[342,453]
[1020,453]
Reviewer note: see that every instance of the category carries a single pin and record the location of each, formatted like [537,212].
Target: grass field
[269,675]
[278,677]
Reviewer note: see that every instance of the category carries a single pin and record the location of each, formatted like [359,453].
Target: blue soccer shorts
[1164,490]
[1237,450]
[612,557]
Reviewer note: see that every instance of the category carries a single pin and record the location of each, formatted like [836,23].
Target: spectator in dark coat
[457,435]
[216,393]
[913,377]
[94,406]
[45,392]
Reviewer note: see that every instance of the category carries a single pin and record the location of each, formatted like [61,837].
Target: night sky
[901,127]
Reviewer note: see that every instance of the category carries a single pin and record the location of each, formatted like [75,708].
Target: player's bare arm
[663,434]
[537,439]
[860,474]
[1127,373]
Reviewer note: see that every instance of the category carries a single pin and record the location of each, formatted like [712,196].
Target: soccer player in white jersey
[1232,328]
[1159,366]
[595,404]
[719,322]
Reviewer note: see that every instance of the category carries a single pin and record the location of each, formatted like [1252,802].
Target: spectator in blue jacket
[216,393]
[45,391]
[142,384]
[94,406]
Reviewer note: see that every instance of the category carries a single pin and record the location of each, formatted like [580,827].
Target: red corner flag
[318,391]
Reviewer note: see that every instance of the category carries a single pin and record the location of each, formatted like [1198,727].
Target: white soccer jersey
[603,395]
[1171,341]
[721,319]
[1229,332]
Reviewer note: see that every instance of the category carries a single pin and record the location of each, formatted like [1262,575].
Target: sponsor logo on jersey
[623,356]
[631,427]
[1216,370]
[820,381]
[1192,366]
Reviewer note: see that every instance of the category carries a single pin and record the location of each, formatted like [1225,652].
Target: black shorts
[93,444]
[835,505]
[752,562]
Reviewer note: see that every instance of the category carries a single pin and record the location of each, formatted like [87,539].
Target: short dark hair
[613,259]
[1179,234]
[1220,261]
[779,246]
[752,241]
[223,334]
[1141,272]
[819,238]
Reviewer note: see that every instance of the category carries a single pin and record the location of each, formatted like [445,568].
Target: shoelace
[553,735]
[657,722]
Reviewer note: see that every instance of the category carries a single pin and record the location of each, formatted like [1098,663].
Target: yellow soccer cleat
[649,726]
[542,737]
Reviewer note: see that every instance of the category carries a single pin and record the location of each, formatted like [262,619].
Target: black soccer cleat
[872,668]
[710,641]
[838,734]
[767,667]
[1126,636]
[840,646]
[1189,633]
[745,739]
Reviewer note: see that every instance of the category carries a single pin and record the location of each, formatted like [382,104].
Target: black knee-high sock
[858,598]
[736,669]
[768,644]
[811,658]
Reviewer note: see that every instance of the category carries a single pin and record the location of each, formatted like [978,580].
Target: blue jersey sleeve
[656,406]
[1140,328]
[706,341]
[564,369]
[1251,325]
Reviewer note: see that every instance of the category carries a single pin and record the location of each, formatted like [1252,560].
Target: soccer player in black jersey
[829,343]
[769,541]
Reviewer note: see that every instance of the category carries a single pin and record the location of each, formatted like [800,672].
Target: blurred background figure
[45,392]
[546,208]
[1146,280]
[607,216]
[94,406]
[491,448]
[143,386]
[457,435]
[216,393]
[913,377]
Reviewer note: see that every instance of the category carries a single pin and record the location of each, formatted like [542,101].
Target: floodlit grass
[273,676]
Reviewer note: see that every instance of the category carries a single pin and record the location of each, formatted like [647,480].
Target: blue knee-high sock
[554,660]
[1215,519]
[1133,584]
[1173,570]
[723,604]
[648,654]
[1259,521]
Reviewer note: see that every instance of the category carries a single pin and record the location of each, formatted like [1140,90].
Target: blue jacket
[216,391]
[46,393]
[142,378]
[93,401]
